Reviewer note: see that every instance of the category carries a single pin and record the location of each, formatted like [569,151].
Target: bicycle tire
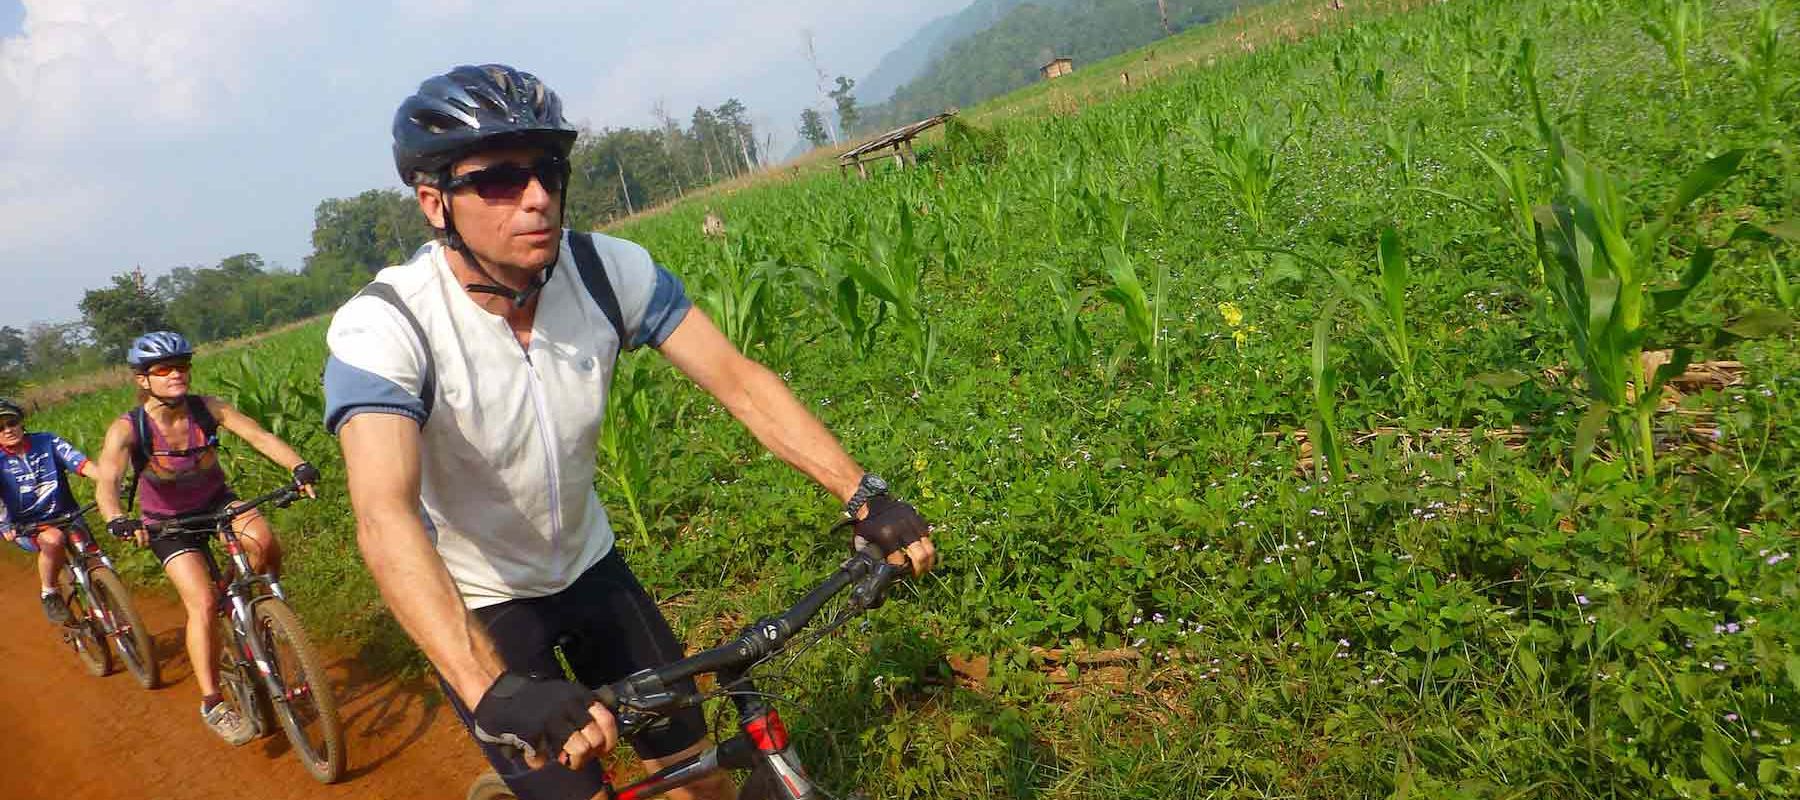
[490,787]
[137,648]
[84,633]
[761,785]
[303,673]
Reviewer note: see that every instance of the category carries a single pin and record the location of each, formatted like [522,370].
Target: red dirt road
[71,736]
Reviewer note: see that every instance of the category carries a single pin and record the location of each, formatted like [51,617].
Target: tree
[812,57]
[846,104]
[50,346]
[812,128]
[14,358]
[121,313]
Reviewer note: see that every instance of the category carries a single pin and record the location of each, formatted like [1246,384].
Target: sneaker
[228,723]
[56,609]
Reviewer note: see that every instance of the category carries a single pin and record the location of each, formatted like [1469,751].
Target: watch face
[875,483]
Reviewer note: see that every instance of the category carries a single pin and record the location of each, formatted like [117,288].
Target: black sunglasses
[505,182]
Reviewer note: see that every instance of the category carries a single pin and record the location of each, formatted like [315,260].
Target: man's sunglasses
[505,182]
[8,423]
[167,368]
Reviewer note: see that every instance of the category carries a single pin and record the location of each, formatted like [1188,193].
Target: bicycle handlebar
[651,690]
[62,521]
[211,522]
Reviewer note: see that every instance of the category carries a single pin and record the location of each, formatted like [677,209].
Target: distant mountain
[913,57]
[995,46]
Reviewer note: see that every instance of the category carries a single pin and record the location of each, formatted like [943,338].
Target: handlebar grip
[607,697]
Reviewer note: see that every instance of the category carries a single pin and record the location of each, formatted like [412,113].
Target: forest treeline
[616,171]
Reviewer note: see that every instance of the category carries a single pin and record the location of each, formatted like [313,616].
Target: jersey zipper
[541,405]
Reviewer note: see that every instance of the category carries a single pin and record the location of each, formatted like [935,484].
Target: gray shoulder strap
[593,276]
[428,381]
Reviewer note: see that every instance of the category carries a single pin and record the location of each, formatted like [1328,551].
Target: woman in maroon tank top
[181,476]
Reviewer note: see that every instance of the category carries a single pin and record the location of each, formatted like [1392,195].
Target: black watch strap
[870,486]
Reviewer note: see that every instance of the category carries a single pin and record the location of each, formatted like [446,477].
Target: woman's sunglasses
[505,182]
[168,368]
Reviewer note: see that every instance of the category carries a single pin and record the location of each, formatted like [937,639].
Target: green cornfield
[1406,409]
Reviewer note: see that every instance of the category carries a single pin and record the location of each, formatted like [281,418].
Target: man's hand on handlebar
[129,528]
[896,528]
[306,477]
[538,716]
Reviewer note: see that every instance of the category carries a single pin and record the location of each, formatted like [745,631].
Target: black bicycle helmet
[8,408]
[475,108]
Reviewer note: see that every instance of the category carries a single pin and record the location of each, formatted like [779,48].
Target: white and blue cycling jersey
[34,486]
[508,450]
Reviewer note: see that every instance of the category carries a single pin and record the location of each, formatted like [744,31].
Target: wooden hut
[1057,68]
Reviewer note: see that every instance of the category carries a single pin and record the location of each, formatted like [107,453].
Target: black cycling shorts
[167,547]
[609,628]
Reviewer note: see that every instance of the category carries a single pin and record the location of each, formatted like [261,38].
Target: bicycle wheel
[136,648]
[83,632]
[308,713]
[760,785]
[490,787]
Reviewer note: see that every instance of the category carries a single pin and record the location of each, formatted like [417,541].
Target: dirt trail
[72,736]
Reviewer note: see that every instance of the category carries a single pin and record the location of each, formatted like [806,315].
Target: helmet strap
[519,297]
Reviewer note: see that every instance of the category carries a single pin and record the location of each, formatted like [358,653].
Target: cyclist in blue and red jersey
[34,487]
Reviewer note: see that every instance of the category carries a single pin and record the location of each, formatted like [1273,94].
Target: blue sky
[168,133]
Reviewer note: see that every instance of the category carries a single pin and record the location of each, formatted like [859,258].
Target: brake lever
[870,592]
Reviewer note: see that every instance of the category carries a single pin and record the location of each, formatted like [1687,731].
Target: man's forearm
[764,404]
[419,591]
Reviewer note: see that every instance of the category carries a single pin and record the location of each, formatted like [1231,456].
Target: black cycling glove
[306,474]
[124,527]
[531,713]
[891,525]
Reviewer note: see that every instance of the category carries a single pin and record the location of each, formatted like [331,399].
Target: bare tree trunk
[1162,7]
[624,188]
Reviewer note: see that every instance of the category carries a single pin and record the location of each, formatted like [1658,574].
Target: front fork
[250,649]
[762,742]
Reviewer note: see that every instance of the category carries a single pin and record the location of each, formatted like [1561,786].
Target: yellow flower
[1232,314]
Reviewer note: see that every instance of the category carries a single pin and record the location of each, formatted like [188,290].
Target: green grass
[1457,617]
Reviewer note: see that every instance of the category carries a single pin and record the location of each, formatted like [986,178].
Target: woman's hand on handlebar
[129,528]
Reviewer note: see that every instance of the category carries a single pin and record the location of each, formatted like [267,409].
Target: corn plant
[736,294]
[1399,148]
[1459,79]
[1516,195]
[1600,275]
[626,435]
[1387,315]
[1246,160]
[1323,428]
[1760,64]
[1108,218]
[1143,312]
[1676,24]
[893,273]
[1073,341]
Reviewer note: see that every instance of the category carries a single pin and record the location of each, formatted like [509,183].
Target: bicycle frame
[80,549]
[238,591]
[762,738]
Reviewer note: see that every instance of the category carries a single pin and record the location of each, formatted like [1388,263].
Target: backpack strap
[427,381]
[593,276]
[145,446]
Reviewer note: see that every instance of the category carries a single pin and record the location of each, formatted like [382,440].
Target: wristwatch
[870,486]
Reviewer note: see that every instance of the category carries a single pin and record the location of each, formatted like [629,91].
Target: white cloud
[172,132]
